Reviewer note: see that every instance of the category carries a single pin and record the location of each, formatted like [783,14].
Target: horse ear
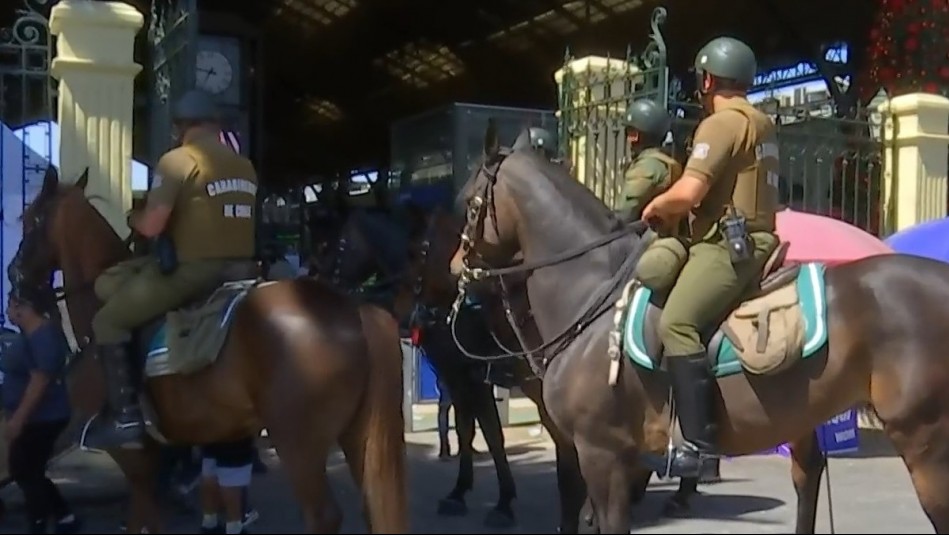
[83,180]
[50,182]
[492,146]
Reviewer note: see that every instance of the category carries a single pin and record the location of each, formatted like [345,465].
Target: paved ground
[871,494]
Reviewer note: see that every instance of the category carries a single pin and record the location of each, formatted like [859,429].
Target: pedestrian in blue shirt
[36,406]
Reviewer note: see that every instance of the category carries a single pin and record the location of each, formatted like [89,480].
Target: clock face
[214,72]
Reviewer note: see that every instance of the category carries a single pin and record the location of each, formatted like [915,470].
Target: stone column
[594,109]
[96,71]
[916,136]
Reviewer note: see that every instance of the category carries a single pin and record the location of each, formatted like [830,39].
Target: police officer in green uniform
[651,171]
[730,186]
[201,210]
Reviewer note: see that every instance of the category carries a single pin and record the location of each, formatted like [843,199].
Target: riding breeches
[136,291]
[708,286]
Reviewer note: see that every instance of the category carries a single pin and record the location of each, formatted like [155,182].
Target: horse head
[428,283]
[62,230]
[367,255]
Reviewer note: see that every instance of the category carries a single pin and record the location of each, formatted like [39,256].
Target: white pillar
[96,71]
[916,136]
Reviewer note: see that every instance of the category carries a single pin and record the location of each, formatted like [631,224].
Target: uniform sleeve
[643,181]
[172,171]
[714,145]
[48,350]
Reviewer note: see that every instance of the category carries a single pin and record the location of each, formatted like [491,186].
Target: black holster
[166,254]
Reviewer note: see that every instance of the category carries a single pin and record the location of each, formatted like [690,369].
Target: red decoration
[908,48]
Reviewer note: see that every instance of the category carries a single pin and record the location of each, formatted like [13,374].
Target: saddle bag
[768,331]
[661,263]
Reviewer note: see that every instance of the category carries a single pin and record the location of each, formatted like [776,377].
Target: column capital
[95,36]
[117,15]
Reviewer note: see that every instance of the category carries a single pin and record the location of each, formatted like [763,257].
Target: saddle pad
[811,290]
[190,339]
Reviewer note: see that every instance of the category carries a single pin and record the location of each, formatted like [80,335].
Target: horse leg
[139,468]
[925,451]
[304,462]
[637,491]
[502,515]
[454,504]
[608,480]
[807,466]
[678,504]
[570,484]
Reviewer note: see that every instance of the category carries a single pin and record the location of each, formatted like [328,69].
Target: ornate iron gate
[830,164]
[26,113]
[592,108]
[173,35]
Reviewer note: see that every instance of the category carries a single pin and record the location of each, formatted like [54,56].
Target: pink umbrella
[817,238]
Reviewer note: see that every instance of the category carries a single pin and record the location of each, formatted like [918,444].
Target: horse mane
[535,170]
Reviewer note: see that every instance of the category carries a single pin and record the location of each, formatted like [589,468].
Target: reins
[599,303]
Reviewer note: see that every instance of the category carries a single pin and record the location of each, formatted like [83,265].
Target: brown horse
[301,359]
[881,346]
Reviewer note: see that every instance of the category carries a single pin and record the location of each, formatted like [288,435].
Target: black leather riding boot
[692,386]
[121,425]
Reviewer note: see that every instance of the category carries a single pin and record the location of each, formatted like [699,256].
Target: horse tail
[384,474]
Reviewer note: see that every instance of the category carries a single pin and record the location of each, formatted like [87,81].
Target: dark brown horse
[434,287]
[881,349]
[371,253]
[302,359]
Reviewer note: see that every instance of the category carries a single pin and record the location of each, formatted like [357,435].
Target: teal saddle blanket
[641,321]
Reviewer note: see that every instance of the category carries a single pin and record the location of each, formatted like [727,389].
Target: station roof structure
[338,73]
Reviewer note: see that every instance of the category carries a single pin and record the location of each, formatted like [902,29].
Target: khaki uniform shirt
[212,191]
[736,153]
[650,174]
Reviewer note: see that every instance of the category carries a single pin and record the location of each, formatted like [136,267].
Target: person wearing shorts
[226,471]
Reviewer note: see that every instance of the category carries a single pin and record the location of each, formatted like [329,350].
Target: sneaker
[250,516]
[68,524]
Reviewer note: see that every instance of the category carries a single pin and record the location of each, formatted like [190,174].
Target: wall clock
[214,73]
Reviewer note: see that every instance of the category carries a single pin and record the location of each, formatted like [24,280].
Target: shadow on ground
[95,487]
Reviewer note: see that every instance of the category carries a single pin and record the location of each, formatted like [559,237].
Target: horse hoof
[710,480]
[452,507]
[498,519]
[676,508]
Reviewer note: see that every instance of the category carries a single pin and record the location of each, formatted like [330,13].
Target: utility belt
[233,268]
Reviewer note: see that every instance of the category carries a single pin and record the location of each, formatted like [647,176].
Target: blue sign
[427,381]
[803,71]
[840,434]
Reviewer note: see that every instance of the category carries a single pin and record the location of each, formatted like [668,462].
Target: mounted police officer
[650,173]
[729,185]
[201,212]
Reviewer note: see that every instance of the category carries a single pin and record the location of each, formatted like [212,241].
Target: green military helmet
[542,140]
[729,58]
[195,106]
[650,119]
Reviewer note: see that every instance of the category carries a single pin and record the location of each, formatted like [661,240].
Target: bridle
[482,205]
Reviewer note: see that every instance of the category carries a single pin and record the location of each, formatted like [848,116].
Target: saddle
[776,323]
[190,338]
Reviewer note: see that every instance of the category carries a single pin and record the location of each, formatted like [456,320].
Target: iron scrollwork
[655,54]
[31,27]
